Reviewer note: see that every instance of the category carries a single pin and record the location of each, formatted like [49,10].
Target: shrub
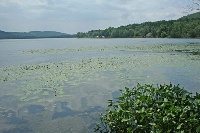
[145,109]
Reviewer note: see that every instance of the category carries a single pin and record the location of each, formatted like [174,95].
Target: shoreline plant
[149,109]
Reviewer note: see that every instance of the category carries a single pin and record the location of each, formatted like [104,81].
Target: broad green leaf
[152,124]
[125,120]
[184,97]
[198,129]
[165,100]
[179,126]
[137,106]
[143,109]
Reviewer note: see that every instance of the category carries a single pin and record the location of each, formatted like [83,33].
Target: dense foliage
[191,16]
[186,27]
[161,109]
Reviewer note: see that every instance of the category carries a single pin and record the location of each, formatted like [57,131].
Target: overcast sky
[72,16]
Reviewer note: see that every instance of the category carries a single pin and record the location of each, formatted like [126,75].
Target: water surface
[64,84]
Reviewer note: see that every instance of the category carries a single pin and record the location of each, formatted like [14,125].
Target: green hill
[47,34]
[4,35]
[192,16]
[33,35]
[185,27]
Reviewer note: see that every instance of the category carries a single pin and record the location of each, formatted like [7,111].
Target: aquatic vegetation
[45,93]
[42,100]
[190,48]
[85,77]
[35,81]
[24,98]
[146,108]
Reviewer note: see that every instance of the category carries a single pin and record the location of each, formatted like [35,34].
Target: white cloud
[72,16]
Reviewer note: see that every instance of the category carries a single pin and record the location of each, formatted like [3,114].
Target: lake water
[62,85]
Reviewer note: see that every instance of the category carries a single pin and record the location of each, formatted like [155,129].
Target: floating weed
[33,97]
[24,98]
[42,100]
[126,67]
[60,92]
[50,100]
[45,93]
[194,48]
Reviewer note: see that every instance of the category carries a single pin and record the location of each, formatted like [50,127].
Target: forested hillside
[34,34]
[7,35]
[185,27]
[194,15]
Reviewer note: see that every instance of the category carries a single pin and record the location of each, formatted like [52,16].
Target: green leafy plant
[145,109]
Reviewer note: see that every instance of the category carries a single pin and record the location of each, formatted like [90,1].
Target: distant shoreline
[34,35]
[87,38]
[33,38]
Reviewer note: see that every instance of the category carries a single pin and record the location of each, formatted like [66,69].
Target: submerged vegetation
[165,108]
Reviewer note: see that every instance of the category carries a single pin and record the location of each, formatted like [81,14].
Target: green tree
[184,27]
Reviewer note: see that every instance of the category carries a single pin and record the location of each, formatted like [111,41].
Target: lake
[62,85]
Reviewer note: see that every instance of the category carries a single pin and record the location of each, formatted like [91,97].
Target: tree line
[185,27]
[34,34]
